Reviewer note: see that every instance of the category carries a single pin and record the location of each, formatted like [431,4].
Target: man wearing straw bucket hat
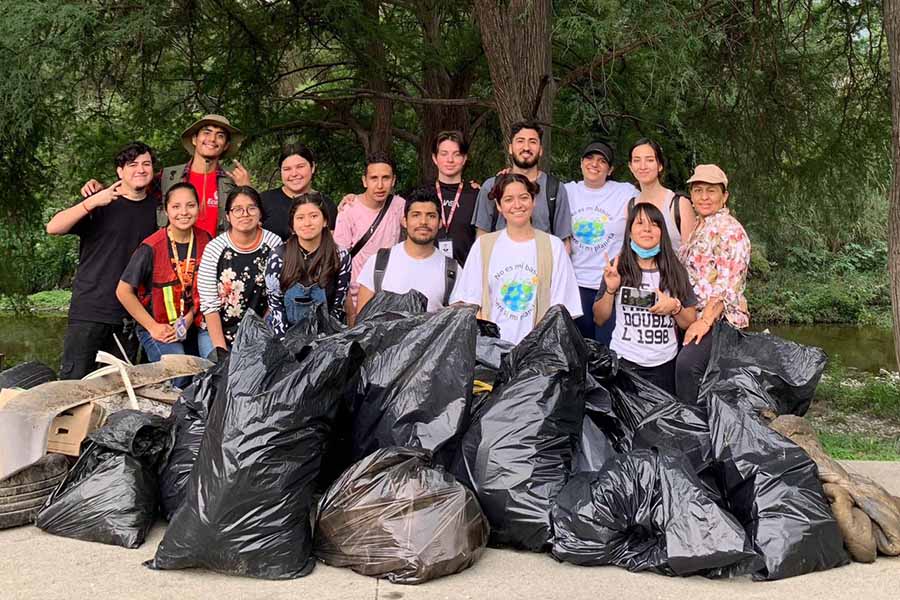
[208,141]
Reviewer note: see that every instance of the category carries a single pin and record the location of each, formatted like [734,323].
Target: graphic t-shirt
[640,336]
[108,238]
[513,282]
[598,227]
[207,190]
[462,232]
[353,222]
[404,273]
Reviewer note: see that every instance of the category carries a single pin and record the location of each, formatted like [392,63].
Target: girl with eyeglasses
[231,279]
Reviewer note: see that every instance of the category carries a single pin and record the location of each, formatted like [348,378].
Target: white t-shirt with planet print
[598,227]
[513,284]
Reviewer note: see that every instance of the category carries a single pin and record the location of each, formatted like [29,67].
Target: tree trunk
[381,133]
[892,27]
[518,49]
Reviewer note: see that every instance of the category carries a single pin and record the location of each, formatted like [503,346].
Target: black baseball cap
[598,148]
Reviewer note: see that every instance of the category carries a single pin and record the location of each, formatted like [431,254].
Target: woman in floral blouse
[716,256]
[231,278]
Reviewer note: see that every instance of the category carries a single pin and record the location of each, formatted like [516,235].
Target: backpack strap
[552,193]
[381,263]
[450,271]
[487,242]
[544,274]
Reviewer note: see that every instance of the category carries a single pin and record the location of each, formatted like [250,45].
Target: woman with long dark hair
[308,270]
[648,163]
[651,294]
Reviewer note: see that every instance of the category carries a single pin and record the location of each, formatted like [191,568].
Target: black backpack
[450,272]
[552,193]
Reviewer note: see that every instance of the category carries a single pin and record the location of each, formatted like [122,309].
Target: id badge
[180,329]
[446,247]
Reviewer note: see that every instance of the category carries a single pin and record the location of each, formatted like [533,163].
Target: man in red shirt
[208,140]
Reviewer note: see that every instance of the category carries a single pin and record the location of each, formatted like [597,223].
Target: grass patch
[846,391]
[855,447]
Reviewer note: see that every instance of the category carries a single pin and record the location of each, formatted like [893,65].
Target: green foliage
[804,298]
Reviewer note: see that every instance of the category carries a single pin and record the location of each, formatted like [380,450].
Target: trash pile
[429,439]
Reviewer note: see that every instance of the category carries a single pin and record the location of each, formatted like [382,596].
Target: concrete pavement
[37,565]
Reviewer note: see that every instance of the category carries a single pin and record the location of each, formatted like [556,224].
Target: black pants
[85,338]
[690,366]
[585,323]
[662,376]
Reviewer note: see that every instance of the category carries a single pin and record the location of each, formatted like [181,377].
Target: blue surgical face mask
[645,252]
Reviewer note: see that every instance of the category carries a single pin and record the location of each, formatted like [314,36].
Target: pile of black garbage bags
[402,447]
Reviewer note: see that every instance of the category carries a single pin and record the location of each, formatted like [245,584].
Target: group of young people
[185,253]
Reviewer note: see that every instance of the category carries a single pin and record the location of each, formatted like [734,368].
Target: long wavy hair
[673,277]
[323,266]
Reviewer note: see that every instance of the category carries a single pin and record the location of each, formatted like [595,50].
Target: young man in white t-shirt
[598,227]
[519,272]
[415,263]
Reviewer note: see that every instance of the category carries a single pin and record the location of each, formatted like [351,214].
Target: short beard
[427,242]
[524,165]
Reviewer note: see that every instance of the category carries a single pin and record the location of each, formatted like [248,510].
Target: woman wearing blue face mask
[651,295]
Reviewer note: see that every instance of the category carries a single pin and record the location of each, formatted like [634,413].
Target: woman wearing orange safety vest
[158,287]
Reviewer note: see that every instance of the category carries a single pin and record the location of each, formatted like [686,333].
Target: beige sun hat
[235,136]
[709,174]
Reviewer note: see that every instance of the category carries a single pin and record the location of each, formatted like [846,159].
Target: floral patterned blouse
[231,280]
[717,257]
[277,317]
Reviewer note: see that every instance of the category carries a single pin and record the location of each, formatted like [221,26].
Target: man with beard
[110,225]
[415,263]
[551,209]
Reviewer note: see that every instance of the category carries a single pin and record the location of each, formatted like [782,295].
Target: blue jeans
[300,302]
[587,327]
[156,349]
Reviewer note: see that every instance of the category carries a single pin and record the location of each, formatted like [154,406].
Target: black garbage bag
[318,324]
[770,372]
[111,495]
[773,488]
[396,515]
[518,449]
[412,302]
[489,351]
[645,511]
[247,506]
[189,416]
[415,393]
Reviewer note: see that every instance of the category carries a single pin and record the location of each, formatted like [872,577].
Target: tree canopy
[791,98]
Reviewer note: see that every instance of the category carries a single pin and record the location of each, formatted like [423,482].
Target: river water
[24,338]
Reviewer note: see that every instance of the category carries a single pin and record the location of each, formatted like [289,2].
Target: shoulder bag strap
[487,247]
[371,231]
[544,274]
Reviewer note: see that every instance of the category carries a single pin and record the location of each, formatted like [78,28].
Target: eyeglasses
[240,211]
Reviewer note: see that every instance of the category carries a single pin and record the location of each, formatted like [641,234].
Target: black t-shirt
[277,206]
[462,232]
[139,271]
[109,236]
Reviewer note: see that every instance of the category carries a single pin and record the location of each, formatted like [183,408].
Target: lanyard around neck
[448,220]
